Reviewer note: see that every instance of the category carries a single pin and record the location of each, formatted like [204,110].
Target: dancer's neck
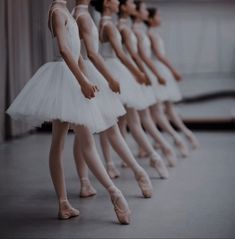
[62,2]
[124,16]
[83,7]
[107,14]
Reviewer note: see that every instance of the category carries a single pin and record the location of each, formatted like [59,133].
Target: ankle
[138,171]
[63,200]
[63,204]
[112,189]
[110,164]
[156,157]
[85,181]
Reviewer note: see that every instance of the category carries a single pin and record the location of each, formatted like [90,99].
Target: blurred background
[200,41]
[198,199]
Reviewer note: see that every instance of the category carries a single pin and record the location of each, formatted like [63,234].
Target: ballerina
[60,92]
[145,53]
[169,93]
[132,114]
[98,73]
[127,8]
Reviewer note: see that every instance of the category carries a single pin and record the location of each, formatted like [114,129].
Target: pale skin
[57,21]
[112,135]
[145,116]
[158,113]
[108,34]
[142,15]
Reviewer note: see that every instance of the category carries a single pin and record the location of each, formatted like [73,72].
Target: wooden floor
[198,200]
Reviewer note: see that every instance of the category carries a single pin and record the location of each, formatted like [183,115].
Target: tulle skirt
[109,102]
[131,93]
[158,89]
[53,93]
[170,91]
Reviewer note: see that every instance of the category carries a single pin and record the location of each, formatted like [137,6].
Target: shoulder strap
[50,13]
[78,15]
[102,29]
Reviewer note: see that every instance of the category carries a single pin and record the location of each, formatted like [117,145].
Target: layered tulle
[158,89]
[109,102]
[131,93]
[171,90]
[53,93]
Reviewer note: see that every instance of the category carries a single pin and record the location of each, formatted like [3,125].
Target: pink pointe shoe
[66,211]
[182,148]
[112,171]
[193,140]
[157,163]
[171,157]
[145,184]
[120,207]
[87,190]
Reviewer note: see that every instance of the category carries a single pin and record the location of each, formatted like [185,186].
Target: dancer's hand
[140,77]
[161,80]
[88,89]
[115,86]
[177,76]
[147,80]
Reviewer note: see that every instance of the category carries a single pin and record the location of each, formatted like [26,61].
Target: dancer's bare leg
[160,118]
[112,170]
[87,190]
[121,148]
[59,132]
[122,123]
[153,131]
[91,156]
[178,122]
[142,140]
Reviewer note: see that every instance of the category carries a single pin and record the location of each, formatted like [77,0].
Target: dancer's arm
[58,24]
[110,32]
[147,60]
[126,37]
[161,57]
[85,26]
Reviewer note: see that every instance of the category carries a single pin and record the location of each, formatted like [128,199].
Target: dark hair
[152,12]
[138,4]
[98,5]
[121,3]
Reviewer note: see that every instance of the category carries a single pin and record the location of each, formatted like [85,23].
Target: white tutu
[171,90]
[131,93]
[158,89]
[108,101]
[53,93]
[149,95]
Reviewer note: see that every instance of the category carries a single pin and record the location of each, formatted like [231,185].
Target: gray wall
[199,35]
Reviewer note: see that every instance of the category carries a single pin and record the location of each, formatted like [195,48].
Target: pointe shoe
[182,147]
[112,171]
[124,213]
[144,184]
[157,163]
[66,211]
[193,140]
[171,157]
[87,190]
